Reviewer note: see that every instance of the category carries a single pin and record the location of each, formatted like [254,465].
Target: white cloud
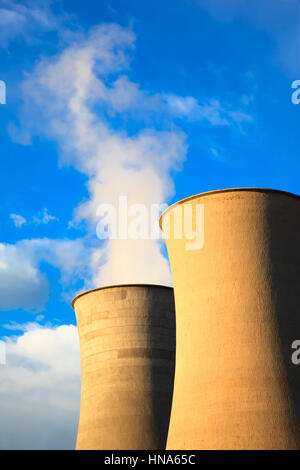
[124,96]
[212,111]
[24,19]
[29,326]
[23,285]
[44,217]
[18,220]
[69,256]
[40,389]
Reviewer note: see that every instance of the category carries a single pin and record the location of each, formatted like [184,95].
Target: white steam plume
[77,95]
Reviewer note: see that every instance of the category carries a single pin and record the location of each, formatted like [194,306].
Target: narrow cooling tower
[127,349]
[237,299]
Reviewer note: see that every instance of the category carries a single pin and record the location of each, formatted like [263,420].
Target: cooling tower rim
[226,190]
[136,284]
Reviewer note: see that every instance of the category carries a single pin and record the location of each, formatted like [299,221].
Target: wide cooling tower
[237,299]
[127,349]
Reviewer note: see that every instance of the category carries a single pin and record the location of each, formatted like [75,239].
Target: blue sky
[153,100]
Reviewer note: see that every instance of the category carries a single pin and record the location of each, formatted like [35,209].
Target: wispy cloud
[44,217]
[22,20]
[212,111]
[18,220]
[28,326]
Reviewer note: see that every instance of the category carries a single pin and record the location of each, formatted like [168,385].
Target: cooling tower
[237,300]
[127,350]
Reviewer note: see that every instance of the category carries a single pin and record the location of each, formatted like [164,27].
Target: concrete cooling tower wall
[127,349]
[237,301]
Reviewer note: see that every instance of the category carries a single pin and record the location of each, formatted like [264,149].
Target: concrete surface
[127,349]
[237,305]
